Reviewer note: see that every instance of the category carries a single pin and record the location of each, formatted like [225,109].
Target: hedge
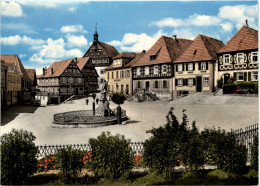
[248,87]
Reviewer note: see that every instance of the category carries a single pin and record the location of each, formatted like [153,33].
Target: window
[138,84]
[152,57]
[117,74]
[156,84]
[180,82]
[240,58]
[102,71]
[112,75]
[190,66]
[203,66]
[79,80]
[254,57]
[122,88]
[255,76]
[138,71]
[155,69]
[108,75]
[122,74]
[206,81]
[164,69]
[226,59]
[146,70]
[101,80]
[240,76]
[180,67]
[190,82]
[127,74]
[165,83]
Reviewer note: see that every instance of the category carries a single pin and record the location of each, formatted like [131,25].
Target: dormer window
[51,70]
[195,52]
[226,59]
[152,57]
[254,57]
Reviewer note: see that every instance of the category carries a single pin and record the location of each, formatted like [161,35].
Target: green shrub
[111,156]
[70,163]
[219,174]
[220,83]
[254,155]
[229,88]
[175,143]
[222,150]
[251,87]
[118,98]
[18,157]
[251,174]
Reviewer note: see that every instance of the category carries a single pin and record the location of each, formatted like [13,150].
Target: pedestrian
[97,100]
[87,101]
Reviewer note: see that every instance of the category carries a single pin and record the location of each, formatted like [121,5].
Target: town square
[114,92]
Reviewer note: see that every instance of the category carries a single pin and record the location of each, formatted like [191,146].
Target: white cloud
[167,22]
[137,42]
[186,33]
[76,40]
[238,14]
[227,26]
[53,50]
[72,28]
[227,17]
[71,9]
[48,29]
[74,53]
[22,55]
[17,39]
[11,9]
[49,4]
[114,43]
[18,27]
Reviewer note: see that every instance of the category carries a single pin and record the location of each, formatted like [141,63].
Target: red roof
[13,61]
[203,48]
[58,68]
[125,55]
[110,50]
[166,49]
[31,73]
[245,39]
[132,62]
[82,61]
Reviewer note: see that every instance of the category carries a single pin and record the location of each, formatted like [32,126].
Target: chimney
[51,71]
[246,22]
[174,37]
[44,70]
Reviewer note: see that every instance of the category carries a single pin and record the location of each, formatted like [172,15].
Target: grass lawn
[203,177]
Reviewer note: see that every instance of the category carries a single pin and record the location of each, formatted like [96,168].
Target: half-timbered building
[153,72]
[61,80]
[90,74]
[195,68]
[101,56]
[238,59]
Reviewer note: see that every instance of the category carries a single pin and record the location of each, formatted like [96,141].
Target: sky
[42,32]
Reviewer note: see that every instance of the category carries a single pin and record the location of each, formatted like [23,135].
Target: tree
[118,98]
[18,157]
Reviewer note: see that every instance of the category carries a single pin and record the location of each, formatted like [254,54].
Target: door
[147,85]
[198,86]
[226,78]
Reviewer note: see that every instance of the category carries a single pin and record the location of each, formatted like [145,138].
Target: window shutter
[245,76]
[249,76]
[176,82]
[199,66]
[184,82]
[187,67]
[183,67]
[235,76]
[194,81]
[176,67]
[193,66]
[207,65]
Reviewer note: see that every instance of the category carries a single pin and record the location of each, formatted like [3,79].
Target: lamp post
[94,105]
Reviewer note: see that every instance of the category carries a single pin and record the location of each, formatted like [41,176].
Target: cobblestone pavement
[220,111]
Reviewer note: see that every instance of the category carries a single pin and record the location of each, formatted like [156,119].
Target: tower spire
[95,35]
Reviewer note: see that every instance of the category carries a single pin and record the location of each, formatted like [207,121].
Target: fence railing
[44,150]
[246,137]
